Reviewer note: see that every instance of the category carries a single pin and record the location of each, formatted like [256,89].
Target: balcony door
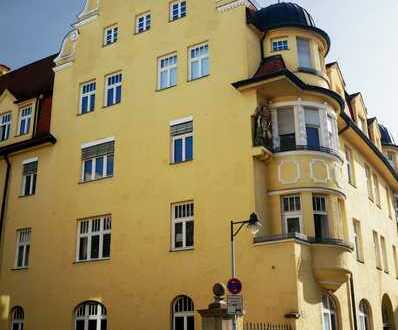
[321,224]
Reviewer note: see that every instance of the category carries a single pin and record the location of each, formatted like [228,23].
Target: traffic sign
[235,304]
[234,286]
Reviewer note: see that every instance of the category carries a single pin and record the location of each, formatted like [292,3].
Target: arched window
[17,318]
[329,313]
[387,313]
[364,315]
[183,314]
[90,316]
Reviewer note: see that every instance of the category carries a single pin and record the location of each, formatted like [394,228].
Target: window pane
[109,166]
[293,225]
[313,137]
[195,73]
[118,94]
[33,190]
[179,323]
[15,326]
[178,239]
[92,324]
[304,53]
[88,164]
[106,250]
[178,150]
[190,323]
[99,167]
[173,77]
[27,252]
[163,79]
[84,104]
[189,148]
[20,256]
[79,325]
[103,324]
[95,247]
[92,102]
[27,185]
[205,66]
[83,248]
[189,233]
[110,97]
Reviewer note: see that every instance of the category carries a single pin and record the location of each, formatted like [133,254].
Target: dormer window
[5,126]
[25,118]
[280,45]
[304,53]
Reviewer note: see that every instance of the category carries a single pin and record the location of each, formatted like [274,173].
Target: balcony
[331,258]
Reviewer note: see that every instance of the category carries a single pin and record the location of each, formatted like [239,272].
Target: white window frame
[113,86]
[310,55]
[5,125]
[18,317]
[326,230]
[24,237]
[111,38]
[376,246]
[168,69]
[350,165]
[90,311]
[329,311]
[93,168]
[369,182]
[383,245]
[33,178]
[25,115]
[189,311]
[143,22]
[182,137]
[181,13]
[183,221]
[377,189]
[279,45]
[358,240]
[199,59]
[104,227]
[87,94]
[294,212]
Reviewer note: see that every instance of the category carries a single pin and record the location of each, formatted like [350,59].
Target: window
[110,35]
[167,71]
[143,23]
[17,318]
[90,316]
[87,97]
[94,238]
[5,126]
[329,313]
[279,45]
[389,203]
[23,248]
[97,160]
[113,89]
[181,142]
[376,247]
[199,61]
[369,182]
[358,240]
[391,158]
[183,225]
[377,189]
[331,133]
[25,117]
[312,125]
[304,53]
[350,165]
[291,213]
[286,129]
[320,217]
[183,314]
[29,177]
[384,252]
[395,256]
[364,315]
[178,9]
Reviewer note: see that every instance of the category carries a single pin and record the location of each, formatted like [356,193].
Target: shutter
[30,168]
[285,121]
[98,150]
[180,129]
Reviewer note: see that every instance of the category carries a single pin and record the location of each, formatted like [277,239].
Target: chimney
[4,69]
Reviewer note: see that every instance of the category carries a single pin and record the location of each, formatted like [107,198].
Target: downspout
[38,99]
[262,46]
[5,193]
[353,303]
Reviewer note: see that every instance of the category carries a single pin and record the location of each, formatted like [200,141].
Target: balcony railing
[305,239]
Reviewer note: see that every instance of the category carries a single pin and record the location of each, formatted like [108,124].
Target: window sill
[182,249]
[176,19]
[165,89]
[138,33]
[378,268]
[278,51]
[96,180]
[20,269]
[180,163]
[19,135]
[199,78]
[92,261]
[79,114]
[109,45]
[111,105]
[361,261]
[26,196]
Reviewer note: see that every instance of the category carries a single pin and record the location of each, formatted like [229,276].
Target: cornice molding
[67,53]
[89,13]
[223,7]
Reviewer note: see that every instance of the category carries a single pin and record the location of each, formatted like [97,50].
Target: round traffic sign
[234,286]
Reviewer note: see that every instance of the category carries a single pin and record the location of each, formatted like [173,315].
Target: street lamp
[253,224]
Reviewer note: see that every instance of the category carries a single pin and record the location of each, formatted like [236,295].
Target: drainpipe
[38,99]
[5,193]
[353,303]
[262,46]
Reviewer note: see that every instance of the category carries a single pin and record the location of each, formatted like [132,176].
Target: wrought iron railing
[266,326]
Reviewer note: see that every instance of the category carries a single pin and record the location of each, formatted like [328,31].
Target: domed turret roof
[285,14]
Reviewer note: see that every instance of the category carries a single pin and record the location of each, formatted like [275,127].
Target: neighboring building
[173,118]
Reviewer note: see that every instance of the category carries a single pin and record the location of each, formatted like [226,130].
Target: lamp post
[253,224]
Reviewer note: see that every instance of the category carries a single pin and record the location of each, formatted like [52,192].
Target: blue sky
[363,34]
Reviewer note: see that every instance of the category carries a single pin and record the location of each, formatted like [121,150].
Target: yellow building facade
[169,120]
